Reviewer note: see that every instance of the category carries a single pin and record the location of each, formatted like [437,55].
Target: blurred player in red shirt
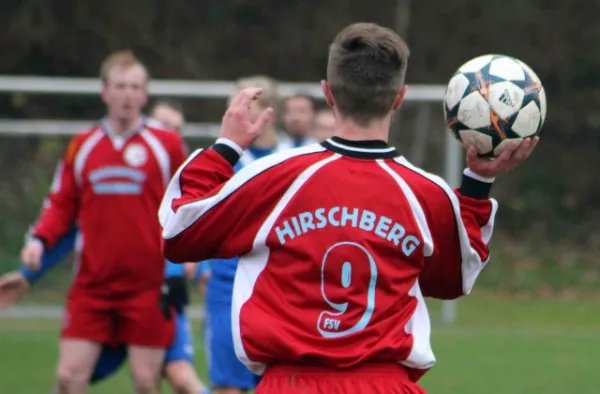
[110,182]
[339,242]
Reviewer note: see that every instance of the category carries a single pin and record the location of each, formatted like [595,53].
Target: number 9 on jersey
[348,280]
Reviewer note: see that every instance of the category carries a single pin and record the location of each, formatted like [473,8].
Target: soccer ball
[494,99]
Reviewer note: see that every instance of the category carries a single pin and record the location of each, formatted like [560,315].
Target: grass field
[498,346]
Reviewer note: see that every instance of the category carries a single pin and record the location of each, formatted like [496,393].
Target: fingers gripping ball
[494,99]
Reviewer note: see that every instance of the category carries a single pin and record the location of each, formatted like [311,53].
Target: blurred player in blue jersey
[179,368]
[227,374]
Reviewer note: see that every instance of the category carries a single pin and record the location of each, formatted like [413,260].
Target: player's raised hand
[238,125]
[13,286]
[31,254]
[510,157]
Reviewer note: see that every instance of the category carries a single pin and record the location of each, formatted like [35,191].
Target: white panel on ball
[505,98]
[482,142]
[527,122]
[474,111]
[507,68]
[502,144]
[456,90]
[530,71]
[476,64]
[542,96]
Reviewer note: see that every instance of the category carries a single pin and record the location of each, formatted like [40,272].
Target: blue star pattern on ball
[494,99]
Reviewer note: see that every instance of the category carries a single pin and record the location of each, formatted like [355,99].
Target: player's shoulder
[425,185]
[85,134]
[79,139]
[287,158]
[287,152]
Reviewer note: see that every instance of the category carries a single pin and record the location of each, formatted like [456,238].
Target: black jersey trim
[366,149]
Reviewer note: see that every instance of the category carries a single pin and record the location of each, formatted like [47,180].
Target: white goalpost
[424,95]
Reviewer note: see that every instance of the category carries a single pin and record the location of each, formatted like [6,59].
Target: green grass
[498,346]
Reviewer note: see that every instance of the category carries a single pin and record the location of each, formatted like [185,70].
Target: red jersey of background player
[340,242]
[112,186]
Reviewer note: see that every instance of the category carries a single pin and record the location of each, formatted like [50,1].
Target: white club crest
[136,155]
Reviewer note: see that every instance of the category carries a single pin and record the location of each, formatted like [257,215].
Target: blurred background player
[227,374]
[169,113]
[298,120]
[109,183]
[324,124]
[178,367]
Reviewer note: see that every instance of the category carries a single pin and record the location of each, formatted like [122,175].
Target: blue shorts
[182,349]
[224,368]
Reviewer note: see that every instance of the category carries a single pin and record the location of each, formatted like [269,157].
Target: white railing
[167,87]
[179,88]
[48,127]
[424,94]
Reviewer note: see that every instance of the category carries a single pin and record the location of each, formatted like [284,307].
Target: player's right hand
[237,125]
[13,286]
[31,254]
[510,157]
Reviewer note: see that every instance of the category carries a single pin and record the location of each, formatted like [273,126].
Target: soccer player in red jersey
[340,241]
[110,182]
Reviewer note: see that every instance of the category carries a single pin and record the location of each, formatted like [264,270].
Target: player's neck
[267,139]
[122,126]
[376,130]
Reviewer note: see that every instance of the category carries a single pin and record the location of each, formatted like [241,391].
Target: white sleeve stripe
[57,178]
[84,152]
[174,223]
[471,260]
[416,208]
[160,153]
[174,187]
[488,228]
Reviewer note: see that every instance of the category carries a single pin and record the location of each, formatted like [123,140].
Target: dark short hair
[172,104]
[366,68]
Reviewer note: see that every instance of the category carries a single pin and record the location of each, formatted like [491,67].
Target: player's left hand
[13,286]
[31,254]
[237,125]
[511,156]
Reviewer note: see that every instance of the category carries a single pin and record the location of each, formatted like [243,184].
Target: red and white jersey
[112,186]
[339,242]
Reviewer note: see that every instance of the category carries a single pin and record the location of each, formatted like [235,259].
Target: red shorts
[134,320]
[366,379]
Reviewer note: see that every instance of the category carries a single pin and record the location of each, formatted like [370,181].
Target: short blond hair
[122,59]
[269,96]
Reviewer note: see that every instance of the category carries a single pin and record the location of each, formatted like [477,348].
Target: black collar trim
[367,149]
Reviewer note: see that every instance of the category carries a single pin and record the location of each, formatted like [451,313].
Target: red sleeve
[206,213]
[61,206]
[461,228]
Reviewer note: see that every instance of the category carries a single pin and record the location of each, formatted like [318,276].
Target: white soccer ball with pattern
[494,99]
